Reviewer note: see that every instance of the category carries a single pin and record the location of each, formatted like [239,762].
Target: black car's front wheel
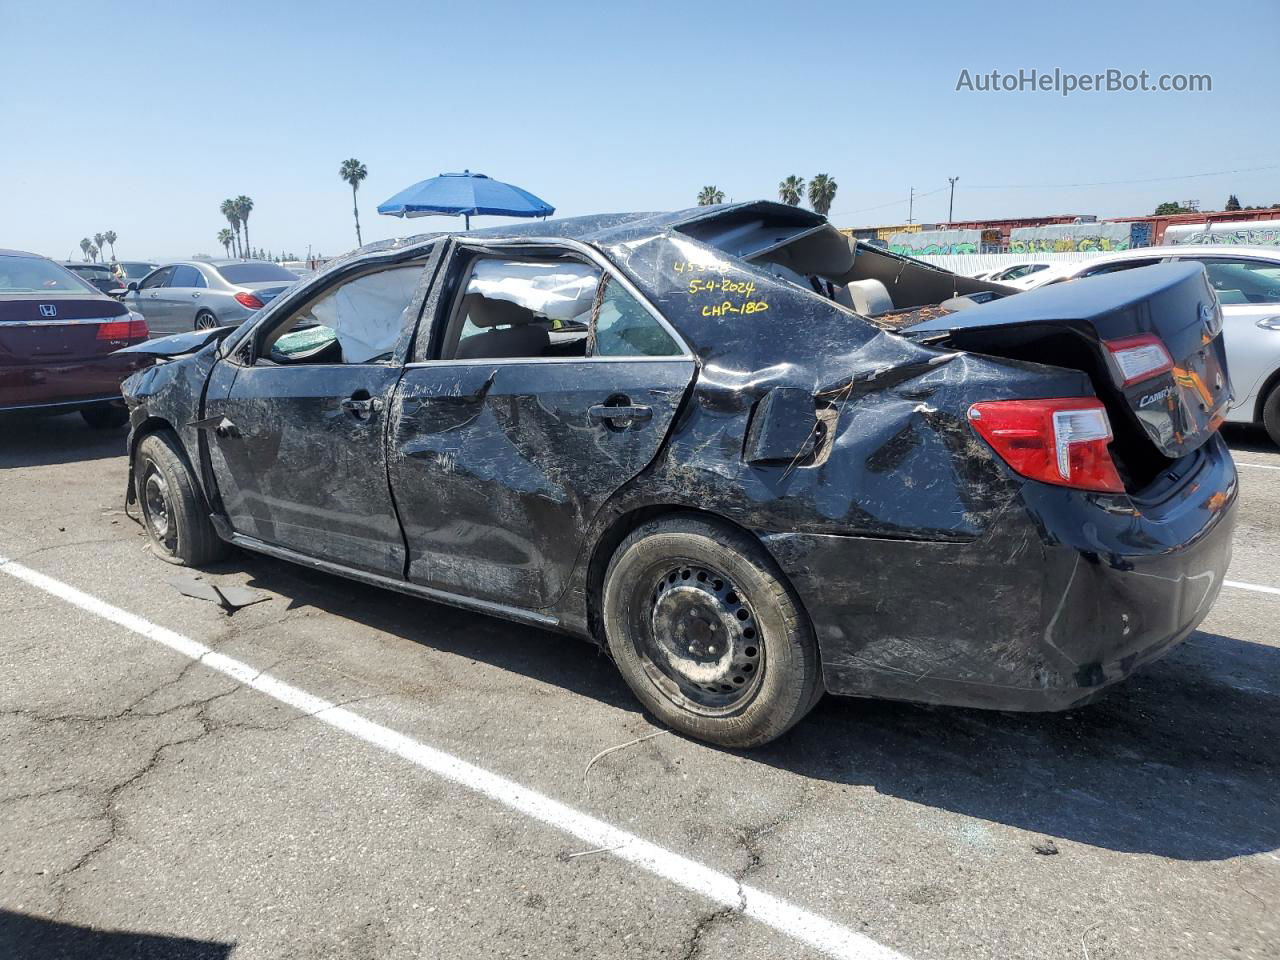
[707,633]
[173,511]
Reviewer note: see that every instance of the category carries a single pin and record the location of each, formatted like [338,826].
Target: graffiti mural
[933,242]
[1262,233]
[1075,238]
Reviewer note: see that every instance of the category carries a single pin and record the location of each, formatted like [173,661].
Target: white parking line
[1256,587]
[1257,466]
[800,924]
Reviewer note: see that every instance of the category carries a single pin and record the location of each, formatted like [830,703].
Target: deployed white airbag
[560,291]
[367,314]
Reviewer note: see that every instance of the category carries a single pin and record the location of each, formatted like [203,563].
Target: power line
[1111,183]
[881,206]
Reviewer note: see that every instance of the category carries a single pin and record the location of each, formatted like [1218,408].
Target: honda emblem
[48,310]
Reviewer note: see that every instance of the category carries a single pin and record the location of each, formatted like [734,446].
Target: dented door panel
[298,468]
[499,467]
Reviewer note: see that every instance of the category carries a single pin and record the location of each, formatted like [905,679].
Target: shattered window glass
[624,328]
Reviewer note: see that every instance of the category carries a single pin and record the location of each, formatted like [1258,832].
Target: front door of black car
[298,443]
[555,387]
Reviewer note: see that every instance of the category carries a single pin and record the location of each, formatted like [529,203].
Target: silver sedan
[199,294]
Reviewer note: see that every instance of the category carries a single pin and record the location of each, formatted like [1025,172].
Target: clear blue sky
[143,122]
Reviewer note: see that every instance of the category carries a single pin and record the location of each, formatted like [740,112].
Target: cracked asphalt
[150,807]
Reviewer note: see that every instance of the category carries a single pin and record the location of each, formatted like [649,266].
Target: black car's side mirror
[132,287]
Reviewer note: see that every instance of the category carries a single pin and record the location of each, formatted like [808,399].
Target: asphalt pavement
[339,772]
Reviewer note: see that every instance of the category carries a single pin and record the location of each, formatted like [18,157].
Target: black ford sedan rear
[756,464]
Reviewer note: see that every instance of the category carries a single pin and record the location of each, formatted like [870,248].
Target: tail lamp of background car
[248,300]
[1061,441]
[132,327]
[1139,358]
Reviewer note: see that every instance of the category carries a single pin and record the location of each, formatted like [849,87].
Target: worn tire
[650,617]
[107,417]
[1271,414]
[184,536]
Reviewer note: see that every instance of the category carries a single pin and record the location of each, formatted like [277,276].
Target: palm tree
[110,237]
[93,253]
[822,190]
[226,238]
[791,190]
[244,206]
[100,240]
[353,171]
[232,214]
[85,244]
[709,196]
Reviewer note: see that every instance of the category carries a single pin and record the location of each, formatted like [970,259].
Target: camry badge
[48,309]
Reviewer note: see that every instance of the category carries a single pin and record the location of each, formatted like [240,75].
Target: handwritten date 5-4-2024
[745,289]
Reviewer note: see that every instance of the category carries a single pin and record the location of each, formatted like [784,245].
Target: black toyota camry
[755,462]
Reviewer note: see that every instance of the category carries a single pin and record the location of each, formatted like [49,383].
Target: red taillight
[1139,358]
[134,328]
[1061,441]
[248,300]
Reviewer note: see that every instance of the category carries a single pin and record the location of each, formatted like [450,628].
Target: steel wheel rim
[700,641]
[156,509]
[205,322]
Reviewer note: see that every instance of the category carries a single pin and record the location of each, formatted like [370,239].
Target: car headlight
[1269,323]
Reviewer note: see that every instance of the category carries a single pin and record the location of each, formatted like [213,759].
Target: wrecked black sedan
[755,462]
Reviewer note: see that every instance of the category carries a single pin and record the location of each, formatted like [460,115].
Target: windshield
[92,268]
[255,273]
[135,270]
[34,275]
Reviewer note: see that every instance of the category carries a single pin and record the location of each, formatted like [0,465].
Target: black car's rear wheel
[105,417]
[205,320]
[707,633]
[173,510]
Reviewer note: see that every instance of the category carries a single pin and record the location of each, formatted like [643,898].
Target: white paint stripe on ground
[800,924]
[1256,587]
[1257,466]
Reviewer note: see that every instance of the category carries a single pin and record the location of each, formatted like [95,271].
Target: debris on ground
[621,746]
[1046,848]
[227,596]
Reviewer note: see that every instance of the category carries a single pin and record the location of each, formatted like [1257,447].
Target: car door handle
[619,414]
[362,408]
[195,296]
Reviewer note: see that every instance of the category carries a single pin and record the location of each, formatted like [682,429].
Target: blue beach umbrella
[465,194]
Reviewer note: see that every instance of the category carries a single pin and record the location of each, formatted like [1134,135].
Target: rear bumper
[1063,598]
[52,384]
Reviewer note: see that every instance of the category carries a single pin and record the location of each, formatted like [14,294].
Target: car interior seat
[870,298]
[508,330]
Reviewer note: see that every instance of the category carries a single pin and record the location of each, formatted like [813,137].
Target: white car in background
[1014,271]
[1247,281]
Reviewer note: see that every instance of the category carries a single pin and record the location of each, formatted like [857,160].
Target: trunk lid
[57,327]
[1159,413]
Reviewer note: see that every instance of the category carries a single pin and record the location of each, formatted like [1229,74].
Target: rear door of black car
[296,418]
[544,398]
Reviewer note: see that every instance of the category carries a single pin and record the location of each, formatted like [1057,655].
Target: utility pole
[911,205]
[952,202]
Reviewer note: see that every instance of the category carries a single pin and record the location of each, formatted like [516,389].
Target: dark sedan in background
[57,337]
[98,275]
[203,294]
